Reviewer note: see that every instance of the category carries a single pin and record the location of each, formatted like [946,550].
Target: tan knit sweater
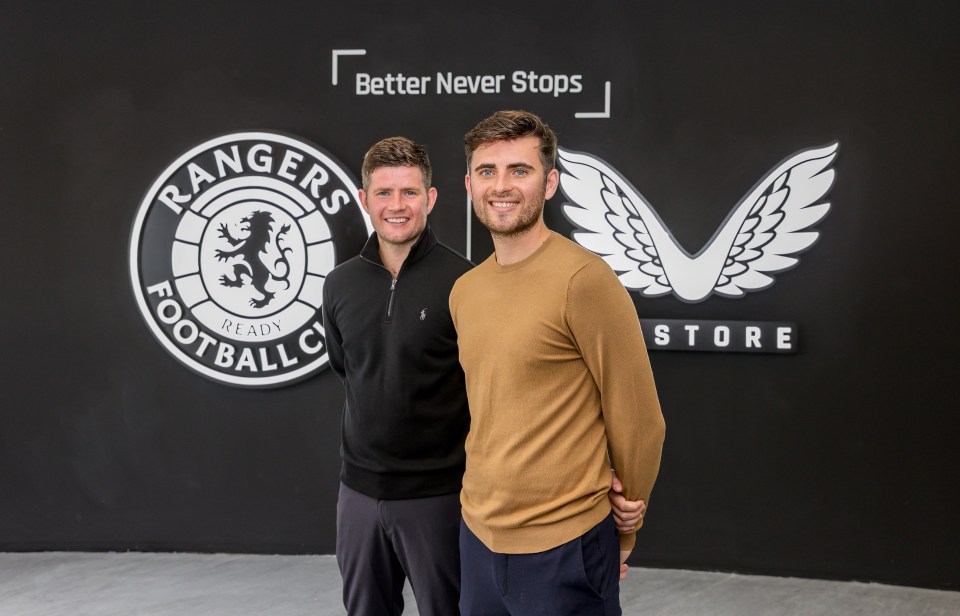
[557,373]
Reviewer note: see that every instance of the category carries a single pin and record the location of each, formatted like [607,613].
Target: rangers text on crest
[259,158]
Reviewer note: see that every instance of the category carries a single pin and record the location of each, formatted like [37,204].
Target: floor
[143,584]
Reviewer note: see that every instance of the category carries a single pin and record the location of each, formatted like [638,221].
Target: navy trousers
[380,543]
[579,578]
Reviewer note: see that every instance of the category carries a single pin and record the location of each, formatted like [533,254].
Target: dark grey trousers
[380,543]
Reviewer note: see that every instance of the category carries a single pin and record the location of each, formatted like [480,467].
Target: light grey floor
[137,584]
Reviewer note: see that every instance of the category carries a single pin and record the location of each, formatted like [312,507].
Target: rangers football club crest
[230,250]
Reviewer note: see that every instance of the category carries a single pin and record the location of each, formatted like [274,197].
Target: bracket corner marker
[335,55]
[598,114]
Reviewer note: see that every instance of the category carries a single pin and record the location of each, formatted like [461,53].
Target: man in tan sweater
[557,376]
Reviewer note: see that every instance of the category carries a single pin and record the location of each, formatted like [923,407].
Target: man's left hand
[627,514]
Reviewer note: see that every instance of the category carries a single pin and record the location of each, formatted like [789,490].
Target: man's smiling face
[398,202]
[508,185]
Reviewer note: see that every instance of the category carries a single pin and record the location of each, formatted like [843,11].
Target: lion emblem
[259,228]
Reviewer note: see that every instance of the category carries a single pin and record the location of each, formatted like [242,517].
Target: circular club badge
[230,250]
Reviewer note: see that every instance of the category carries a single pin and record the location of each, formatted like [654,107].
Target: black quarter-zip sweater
[393,344]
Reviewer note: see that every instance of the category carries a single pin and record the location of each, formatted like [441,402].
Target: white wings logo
[759,236]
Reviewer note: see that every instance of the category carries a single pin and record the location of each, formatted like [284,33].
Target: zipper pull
[393,286]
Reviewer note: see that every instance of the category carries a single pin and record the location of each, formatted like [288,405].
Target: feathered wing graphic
[759,237]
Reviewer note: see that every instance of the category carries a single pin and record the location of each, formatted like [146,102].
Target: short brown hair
[396,152]
[510,125]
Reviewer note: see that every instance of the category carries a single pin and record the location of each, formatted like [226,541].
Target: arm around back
[604,324]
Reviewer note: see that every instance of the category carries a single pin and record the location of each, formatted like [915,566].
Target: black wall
[839,461]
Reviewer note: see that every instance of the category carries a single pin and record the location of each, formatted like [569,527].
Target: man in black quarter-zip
[392,342]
